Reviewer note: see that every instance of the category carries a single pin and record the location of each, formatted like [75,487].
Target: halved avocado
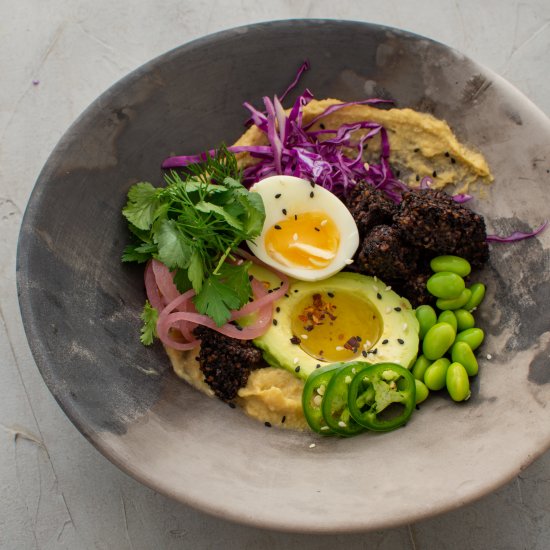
[343,318]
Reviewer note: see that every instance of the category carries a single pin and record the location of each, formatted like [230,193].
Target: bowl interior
[81,305]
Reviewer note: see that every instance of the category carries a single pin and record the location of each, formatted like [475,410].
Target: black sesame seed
[250,277]
[295,217]
[401,341]
[284,211]
[452,160]
[364,353]
[278,196]
[277,227]
[311,195]
[277,309]
[322,126]
[378,295]
[385,341]
[318,366]
[330,294]
[267,424]
[287,296]
[232,405]
[297,369]
[295,290]
[197,358]
[447,154]
[275,322]
[397,308]
[434,174]
[417,177]
[374,351]
[417,407]
[416,150]
[283,420]
[270,291]
[295,340]
[312,183]
[316,229]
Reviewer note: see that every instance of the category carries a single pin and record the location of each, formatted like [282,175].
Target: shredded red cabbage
[516,235]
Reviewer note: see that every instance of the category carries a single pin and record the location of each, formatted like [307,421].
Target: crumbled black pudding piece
[226,362]
[432,220]
[369,207]
[398,242]
[384,251]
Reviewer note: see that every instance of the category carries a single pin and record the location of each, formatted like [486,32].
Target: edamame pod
[438,340]
[448,317]
[420,366]
[422,391]
[454,264]
[445,284]
[457,382]
[462,353]
[472,336]
[436,374]
[464,319]
[454,303]
[478,293]
[426,318]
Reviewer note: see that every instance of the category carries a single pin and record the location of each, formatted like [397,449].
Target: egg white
[297,196]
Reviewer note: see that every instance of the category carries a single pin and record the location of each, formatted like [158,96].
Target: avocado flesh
[397,340]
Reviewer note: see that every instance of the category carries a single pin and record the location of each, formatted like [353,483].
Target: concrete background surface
[56,56]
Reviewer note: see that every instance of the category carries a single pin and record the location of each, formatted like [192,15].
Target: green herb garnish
[193,225]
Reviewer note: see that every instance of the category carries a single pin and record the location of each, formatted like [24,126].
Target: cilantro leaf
[216,300]
[195,272]
[143,201]
[138,253]
[236,278]
[208,207]
[174,249]
[256,215]
[181,280]
[149,316]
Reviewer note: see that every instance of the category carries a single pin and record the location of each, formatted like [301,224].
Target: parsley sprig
[192,225]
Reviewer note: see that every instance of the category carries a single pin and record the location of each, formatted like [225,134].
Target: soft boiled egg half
[308,233]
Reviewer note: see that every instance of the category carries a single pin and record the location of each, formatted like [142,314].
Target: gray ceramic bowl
[81,306]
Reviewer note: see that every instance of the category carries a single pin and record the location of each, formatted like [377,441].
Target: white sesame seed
[388,309]
[324,427]
[296,360]
[405,327]
[323,223]
[347,379]
[303,336]
[388,288]
[489,356]
[295,237]
[349,261]
[342,424]
[339,348]
[312,446]
[368,344]
[375,288]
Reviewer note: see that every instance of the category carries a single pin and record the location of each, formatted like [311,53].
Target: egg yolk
[308,240]
[336,326]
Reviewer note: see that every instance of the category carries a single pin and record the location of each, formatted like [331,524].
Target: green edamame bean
[454,264]
[472,336]
[478,293]
[454,303]
[436,374]
[448,317]
[462,353]
[420,366]
[438,340]
[458,384]
[464,319]
[422,391]
[427,318]
[445,284]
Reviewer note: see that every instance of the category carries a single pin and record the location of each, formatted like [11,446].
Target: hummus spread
[421,146]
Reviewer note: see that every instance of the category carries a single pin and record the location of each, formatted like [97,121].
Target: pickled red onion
[178,311]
